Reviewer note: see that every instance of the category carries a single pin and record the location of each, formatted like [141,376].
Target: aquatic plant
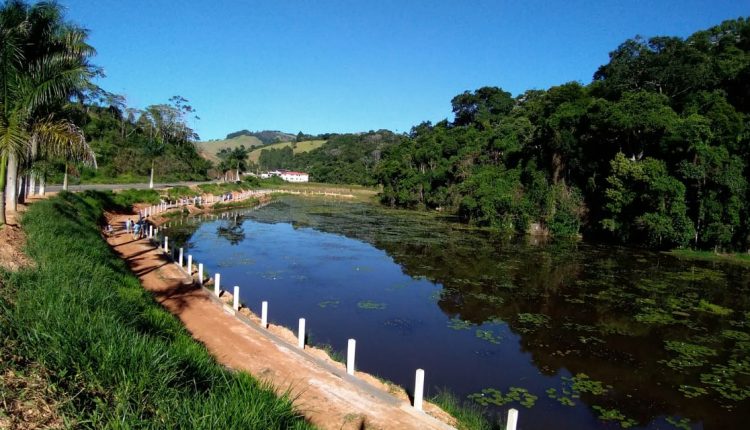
[562,399]
[329,304]
[493,396]
[488,336]
[723,379]
[370,305]
[691,391]
[688,354]
[459,324]
[680,423]
[605,414]
[530,322]
[713,308]
[582,383]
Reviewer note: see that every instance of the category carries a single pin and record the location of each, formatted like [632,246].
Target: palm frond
[63,139]
[14,137]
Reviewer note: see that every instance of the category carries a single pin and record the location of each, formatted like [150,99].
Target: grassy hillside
[106,349]
[304,146]
[209,149]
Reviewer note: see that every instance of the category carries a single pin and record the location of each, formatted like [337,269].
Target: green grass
[127,198]
[304,146]
[235,204]
[467,415]
[691,254]
[223,188]
[117,357]
[211,148]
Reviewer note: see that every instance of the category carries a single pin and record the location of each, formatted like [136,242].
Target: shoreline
[322,390]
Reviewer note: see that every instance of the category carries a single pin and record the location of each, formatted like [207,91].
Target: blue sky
[349,65]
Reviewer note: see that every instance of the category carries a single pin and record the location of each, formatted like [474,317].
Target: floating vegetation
[697,274]
[691,391]
[582,383]
[688,354]
[713,308]
[680,423]
[735,335]
[329,304]
[655,316]
[459,324]
[605,414]
[488,336]
[492,396]
[370,305]
[531,322]
[487,298]
[561,398]
[722,379]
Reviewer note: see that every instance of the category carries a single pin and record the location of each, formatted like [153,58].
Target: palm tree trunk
[11,185]
[3,165]
[151,181]
[22,187]
[32,185]
[65,178]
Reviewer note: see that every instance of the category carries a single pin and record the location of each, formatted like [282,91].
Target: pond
[574,335]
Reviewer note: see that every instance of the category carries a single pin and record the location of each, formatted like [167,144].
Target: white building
[295,176]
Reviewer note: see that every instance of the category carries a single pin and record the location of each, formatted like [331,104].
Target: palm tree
[43,63]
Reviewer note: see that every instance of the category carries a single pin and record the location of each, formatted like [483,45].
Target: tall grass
[468,416]
[122,360]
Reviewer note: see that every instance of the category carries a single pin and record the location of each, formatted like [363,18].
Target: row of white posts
[351,345]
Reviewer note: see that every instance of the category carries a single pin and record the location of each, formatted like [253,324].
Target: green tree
[44,63]
[646,205]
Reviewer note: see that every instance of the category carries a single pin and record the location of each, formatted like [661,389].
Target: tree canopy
[654,151]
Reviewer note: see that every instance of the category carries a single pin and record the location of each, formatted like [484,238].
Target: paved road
[104,187]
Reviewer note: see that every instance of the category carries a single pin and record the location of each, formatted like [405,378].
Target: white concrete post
[264,314]
[236,304]
[512,419]
[182,252]
[200,274]
[217,284]
[350,356]
[150,231]
[166,244]
[419,389]
[190,265]
[301,334]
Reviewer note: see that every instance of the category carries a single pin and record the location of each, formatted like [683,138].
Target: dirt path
[324,393]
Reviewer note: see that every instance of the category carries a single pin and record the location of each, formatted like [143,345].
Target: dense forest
[654,151]
[265,136]
[343,159]
[130,142]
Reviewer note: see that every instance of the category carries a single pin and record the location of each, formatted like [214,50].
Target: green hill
[298,148]
[209,149]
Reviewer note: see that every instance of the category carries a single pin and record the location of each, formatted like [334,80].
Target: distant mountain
[265,136]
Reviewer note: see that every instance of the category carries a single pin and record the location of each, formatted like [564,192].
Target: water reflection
[666,340]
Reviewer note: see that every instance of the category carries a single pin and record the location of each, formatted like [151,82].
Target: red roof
[295,173]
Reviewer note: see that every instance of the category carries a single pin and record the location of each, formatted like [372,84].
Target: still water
[574,335]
